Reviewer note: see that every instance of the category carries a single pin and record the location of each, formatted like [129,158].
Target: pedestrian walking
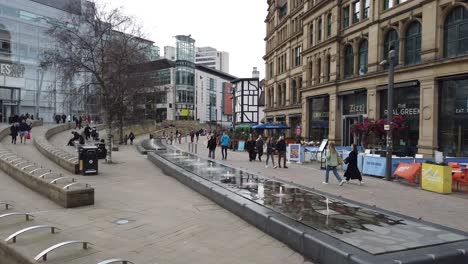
[259,146]
[87,131]
[333,159]
[94,134]
[131,136]
[80,122]
[352,171]
[270,144]
[24,129]
[224,145]
[197,134]
[211,147]
[281,147]
[192,136]
[64,118]
[250,147]
[125,139]
[14,133]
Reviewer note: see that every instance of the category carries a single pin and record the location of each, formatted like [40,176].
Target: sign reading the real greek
[12,70]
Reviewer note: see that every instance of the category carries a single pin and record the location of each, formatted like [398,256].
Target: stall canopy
[270,126]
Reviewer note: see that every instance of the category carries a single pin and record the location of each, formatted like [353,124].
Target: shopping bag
[28,135]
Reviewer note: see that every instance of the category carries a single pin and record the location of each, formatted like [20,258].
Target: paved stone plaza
[167,222]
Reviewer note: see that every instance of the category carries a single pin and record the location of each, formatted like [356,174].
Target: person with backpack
[333,159]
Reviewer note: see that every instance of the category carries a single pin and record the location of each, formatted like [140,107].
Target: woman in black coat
[250,147]
[352,172]
[13,133]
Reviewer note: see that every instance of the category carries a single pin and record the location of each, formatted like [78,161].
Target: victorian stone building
[324,71]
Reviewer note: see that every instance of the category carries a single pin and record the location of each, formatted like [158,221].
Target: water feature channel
[369,230]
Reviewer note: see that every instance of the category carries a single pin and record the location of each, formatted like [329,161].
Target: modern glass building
[185,78]
[24,86]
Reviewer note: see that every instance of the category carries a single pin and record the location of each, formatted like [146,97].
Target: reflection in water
[364,228]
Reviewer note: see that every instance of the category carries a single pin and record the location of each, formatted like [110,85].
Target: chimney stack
[255,73]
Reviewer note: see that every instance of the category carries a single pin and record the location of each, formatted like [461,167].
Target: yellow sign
[436,178]
[185,112]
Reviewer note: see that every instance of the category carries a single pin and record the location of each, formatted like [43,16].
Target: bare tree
[95,50]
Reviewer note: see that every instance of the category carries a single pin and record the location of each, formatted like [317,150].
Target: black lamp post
[391,70]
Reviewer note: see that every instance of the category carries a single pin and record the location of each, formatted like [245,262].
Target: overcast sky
[235,26]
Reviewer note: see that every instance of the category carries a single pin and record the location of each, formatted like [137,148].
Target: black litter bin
[88,156]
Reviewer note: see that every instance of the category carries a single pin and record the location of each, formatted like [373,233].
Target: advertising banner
[374,166]
[408,171]
[436,178]
[294,152]
[241,146]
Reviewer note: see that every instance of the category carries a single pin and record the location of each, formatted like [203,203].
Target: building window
[328,63]
[310,74]
[456,32]
[329,25]
[283,11]
[413,44]
[356,11]
[311,34]
[391,40]
[5,46]
[293,91]
[319,70]
[346,17]
[387,4]
[365,13]
[363,59]
[348,62]
[319,30]
[271,69]
[297,56]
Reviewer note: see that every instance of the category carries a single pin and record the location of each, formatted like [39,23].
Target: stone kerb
[40,179]
[60,157]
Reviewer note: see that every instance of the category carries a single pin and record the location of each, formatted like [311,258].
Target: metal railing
[43,254]
[27,215]
[7,205]
[13,236]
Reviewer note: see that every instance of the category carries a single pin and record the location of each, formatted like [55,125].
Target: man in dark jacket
[211,147]
[281,147]
[87,132]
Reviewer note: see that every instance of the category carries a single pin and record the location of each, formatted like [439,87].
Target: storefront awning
[270,126]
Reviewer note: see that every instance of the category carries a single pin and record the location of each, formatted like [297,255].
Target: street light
[389,127]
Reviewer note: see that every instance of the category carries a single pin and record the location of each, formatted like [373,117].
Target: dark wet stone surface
[366,229]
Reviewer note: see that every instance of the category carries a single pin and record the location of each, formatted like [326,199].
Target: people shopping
[332,161]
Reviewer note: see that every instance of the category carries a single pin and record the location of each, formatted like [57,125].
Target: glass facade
[185,77]
[23,38]
[405,103]
[456,32]
[413,44]
[363,57]
[319,108]
[453,117]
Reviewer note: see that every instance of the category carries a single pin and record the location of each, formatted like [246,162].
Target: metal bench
[123,261]
[14,214]
[44,253]
[7,205]
[13,236]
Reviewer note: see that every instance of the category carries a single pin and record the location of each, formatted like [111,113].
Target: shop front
[319,108]
[295,124]
[9,102]
[406,103]
[354,110]
[453,117]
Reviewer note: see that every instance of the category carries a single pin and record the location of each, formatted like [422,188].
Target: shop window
[356,11]
[319,108]
[456,32]
[329,25]
[391,41]
[453,117]
[363,57]
[348,62]
[346,17]
[413,44]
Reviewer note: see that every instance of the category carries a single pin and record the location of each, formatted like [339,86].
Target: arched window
[363,61]
[392,40]
[456,32]
[348,62]
[413,44]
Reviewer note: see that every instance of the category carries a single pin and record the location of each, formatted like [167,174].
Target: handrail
[115,261]
[44,174]
[24,162]
[13,160]
[44,253]
[7,205]
[6,154]
[54,181]
[14,235]
[33,171]
[13,214]
[25,167]
[74,183]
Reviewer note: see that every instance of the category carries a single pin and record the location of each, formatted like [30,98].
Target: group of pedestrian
[255,150]
[17,118]
[333,160]
[23,129]
[130,137]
